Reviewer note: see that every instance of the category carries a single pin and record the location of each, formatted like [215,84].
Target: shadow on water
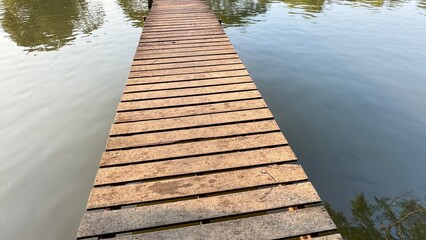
[46,25]
[403,217]
[135,10]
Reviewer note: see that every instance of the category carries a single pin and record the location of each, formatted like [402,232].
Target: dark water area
[345,80]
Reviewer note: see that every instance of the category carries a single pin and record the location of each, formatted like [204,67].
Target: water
[344,79]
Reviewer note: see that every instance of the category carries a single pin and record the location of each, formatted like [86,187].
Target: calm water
[346,81]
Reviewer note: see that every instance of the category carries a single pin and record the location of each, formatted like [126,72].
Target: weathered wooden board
[125,220]
[182,29]
[272,226]
[164,27]
[186,84]
[186,77]
[194,142]
[185,101]
[206,37]
[146,154]
[191,134]
[181,71]
[184,59]
[141,56]
[191,121]
[201,164]
[167,44]
[141,115]
[187,91]
[187,49]
[183,187]
[185,64]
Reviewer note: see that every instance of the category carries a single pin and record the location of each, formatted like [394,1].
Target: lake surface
[346,81]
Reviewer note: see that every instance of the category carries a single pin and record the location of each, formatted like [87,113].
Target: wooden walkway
[194,152]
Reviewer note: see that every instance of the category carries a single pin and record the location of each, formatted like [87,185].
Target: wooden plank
[190,121]
[142,56]
[168,27]
[180,17]
[174,23]
[177,38]
[185,59]
[179,14]
[187,91]
[189,110]
[201,133]
[182,46]
[215,31]
[179,71]
[111,158]
[187,77]
[186,84]
[185,101]
[201,164]
[222,46]
[190,186]
[126,220]
[163,26]
[183,11]
[182,29]
[271,226]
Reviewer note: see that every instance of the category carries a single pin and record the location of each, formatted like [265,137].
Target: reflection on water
[308,8]
[422,4]
[348,91]
[45,25]
[237,12]
[403,217]
[241,13]
[135,10]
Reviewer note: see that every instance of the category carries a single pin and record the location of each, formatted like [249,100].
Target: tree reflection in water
[421,4]
[46,25]
[135,10]
[237,12]
[403,217]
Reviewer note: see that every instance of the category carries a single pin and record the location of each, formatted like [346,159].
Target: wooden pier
[194,152]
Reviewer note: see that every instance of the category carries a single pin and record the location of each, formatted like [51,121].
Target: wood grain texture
[187,91]
[192,121]
[186,64]
[190,186]
[143,115]
[186,84]
[188,100]
[125,220]
[187,77]
[190,134]
[194,142]
[110,158]
[201,164]
[271,226]
[180,71]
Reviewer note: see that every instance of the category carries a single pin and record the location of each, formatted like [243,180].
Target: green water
[346,81]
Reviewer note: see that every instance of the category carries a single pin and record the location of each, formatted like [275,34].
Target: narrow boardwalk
[194,152]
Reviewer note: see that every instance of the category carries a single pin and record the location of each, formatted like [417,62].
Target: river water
[346,81]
